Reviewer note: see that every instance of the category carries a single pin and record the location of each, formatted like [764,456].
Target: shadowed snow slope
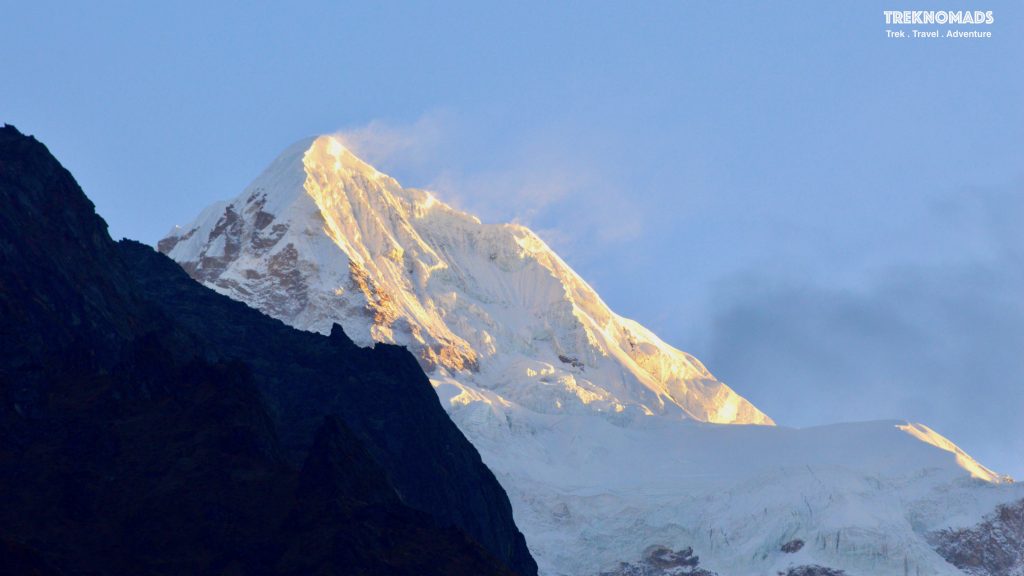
[607,439]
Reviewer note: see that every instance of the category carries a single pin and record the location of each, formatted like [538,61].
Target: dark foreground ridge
[151,426]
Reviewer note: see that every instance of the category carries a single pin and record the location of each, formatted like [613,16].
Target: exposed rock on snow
[662,561]
[812,570]
[792,546]
[994,547]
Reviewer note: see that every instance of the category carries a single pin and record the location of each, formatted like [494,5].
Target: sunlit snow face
[385,261]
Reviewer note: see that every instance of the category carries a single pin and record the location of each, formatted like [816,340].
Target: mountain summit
[321,237]
[620,454]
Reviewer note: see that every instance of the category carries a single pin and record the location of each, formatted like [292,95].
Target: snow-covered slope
[608,440]
[861,497]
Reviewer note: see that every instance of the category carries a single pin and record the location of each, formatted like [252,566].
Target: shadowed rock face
[381,393]
[995,547]
[150,426]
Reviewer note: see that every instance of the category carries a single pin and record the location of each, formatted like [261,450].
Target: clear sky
[830,219]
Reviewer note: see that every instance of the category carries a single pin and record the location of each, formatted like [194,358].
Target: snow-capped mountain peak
[322,237]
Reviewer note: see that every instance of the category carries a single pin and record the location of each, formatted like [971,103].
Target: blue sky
[829,218]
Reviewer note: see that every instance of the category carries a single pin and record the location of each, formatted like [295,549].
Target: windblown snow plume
[610,442]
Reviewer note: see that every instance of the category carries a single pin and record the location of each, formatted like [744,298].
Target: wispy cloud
[569,199]
[409,148]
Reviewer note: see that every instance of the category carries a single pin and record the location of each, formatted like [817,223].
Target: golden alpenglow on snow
[321,237]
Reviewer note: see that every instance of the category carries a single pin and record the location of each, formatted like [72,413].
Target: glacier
[608,440]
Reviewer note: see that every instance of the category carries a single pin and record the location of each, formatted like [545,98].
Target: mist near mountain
[938,341]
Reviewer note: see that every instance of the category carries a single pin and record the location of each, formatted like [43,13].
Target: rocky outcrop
[151,426]
[994,547]
[812,570]
[793,546]
[662,561]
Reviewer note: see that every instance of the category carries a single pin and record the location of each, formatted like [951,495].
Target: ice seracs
[608,440]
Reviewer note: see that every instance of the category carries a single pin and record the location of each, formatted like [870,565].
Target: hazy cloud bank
[938,342]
